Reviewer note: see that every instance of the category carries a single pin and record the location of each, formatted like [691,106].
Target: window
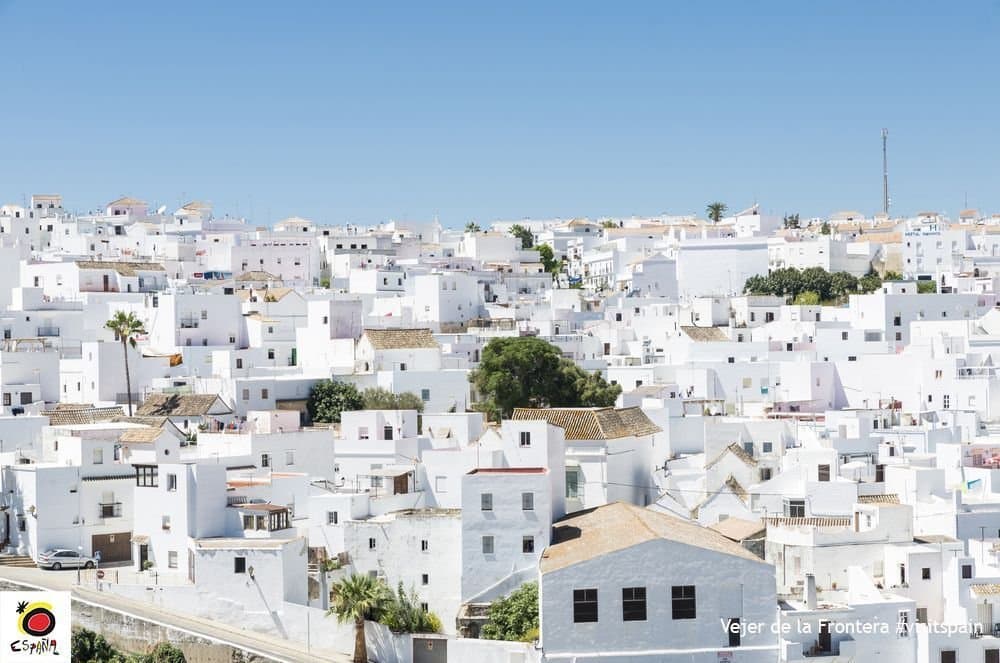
[925,573]
[98,456]
[843,336]
[425,395]
[387,432]
[949,656]
[402,366]
[270,353]
[528,545]
[966,571]
[290,457]
[487,545]
[903,625]
[795,508]
[525,439]
[584,605]
[239,364]
[922,617]
[424,545]
[767,447]
[247,521]
[171,482]
[146,476]
[371,543]
[683,601]
[165,522]
[263,394]
[879,473]
[572,484]
[991,656]
[265,460]
[239,564]
[946,401]
[527,501]
[440,484]
[332,518]
[425,579]
[486,501]
[172,559]
[6,398]
[765,474]
[246,394]
[633,604]
[748,448]
[823,472]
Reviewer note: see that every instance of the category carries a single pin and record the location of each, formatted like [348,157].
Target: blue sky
[360,112]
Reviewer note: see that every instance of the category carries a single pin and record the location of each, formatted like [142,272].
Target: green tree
[870,282]
[926,287]
[892,276]
[843,284]
[377,398]
[608,223]
[403,614]
[525,371]
[825,228]
[522,233]
[715,211]
[807,298]
[356,598]
[88,647]
[817,280]
[515,616]
[791,221]
[165,652]
[328,399]
[472,227]
[549,262]
[126,327]
[757,285]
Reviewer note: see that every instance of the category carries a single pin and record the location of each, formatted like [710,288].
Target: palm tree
[472,227]
[359,597]
[126,327]
[715,211]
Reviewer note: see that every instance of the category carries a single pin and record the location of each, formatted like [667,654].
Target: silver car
[61,558]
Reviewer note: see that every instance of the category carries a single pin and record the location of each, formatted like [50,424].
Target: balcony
[111,509]
[47,331]
[189,322]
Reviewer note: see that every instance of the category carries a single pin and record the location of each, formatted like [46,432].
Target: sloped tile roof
[123,268]
[127,201]
[988,589]
[256,276]
[584,423]
[737,529]
[589,534]
[736,450]
[400,339]
[79,416]
[175,405]
[140,435]
[888,498]
[705,334]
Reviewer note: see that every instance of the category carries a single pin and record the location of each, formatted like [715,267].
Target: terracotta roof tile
[605,423]
[79,416]
[399,339]
[705,334]
[888,498]
[175,405]
[123,268]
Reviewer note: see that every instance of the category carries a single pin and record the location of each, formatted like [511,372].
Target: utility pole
[885,172]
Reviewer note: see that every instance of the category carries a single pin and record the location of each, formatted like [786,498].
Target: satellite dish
[161,209]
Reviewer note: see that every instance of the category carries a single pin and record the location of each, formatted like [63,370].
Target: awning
[141,539]
[391,471]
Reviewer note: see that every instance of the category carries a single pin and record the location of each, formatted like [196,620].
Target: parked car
[61,558]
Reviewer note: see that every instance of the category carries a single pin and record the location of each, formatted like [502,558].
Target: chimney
[810,591]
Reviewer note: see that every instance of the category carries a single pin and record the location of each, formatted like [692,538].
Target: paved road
[283,651]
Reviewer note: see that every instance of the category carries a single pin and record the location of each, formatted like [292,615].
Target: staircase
[19,561]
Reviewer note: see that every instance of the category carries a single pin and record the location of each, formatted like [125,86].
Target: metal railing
[111,509]
[189,323]
[48,331]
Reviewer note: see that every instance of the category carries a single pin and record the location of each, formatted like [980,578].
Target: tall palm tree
[359,597]
[715,211]
[472,227]
[126,327]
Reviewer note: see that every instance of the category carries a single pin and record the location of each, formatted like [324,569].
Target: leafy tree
[377,398]
[926,287]
[522,233]
[88,647]
[329,398]
[515,616]
[126,327]
[356,598]
[807,298]
[610,224]
[791,221]
[825,228]
[403,614]
[757,285]
[817,280]
[165,653]
[870,282]
[526,371]
[892,276]
[843,284]
[715,211]
[548,259]
[472,227]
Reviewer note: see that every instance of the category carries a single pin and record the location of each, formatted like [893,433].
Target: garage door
[113,547]
[430,650]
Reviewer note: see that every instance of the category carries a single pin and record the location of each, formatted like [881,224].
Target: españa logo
[35,626]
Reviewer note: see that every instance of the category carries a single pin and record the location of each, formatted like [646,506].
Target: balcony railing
[189,323]
[48,331]
[111,509]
